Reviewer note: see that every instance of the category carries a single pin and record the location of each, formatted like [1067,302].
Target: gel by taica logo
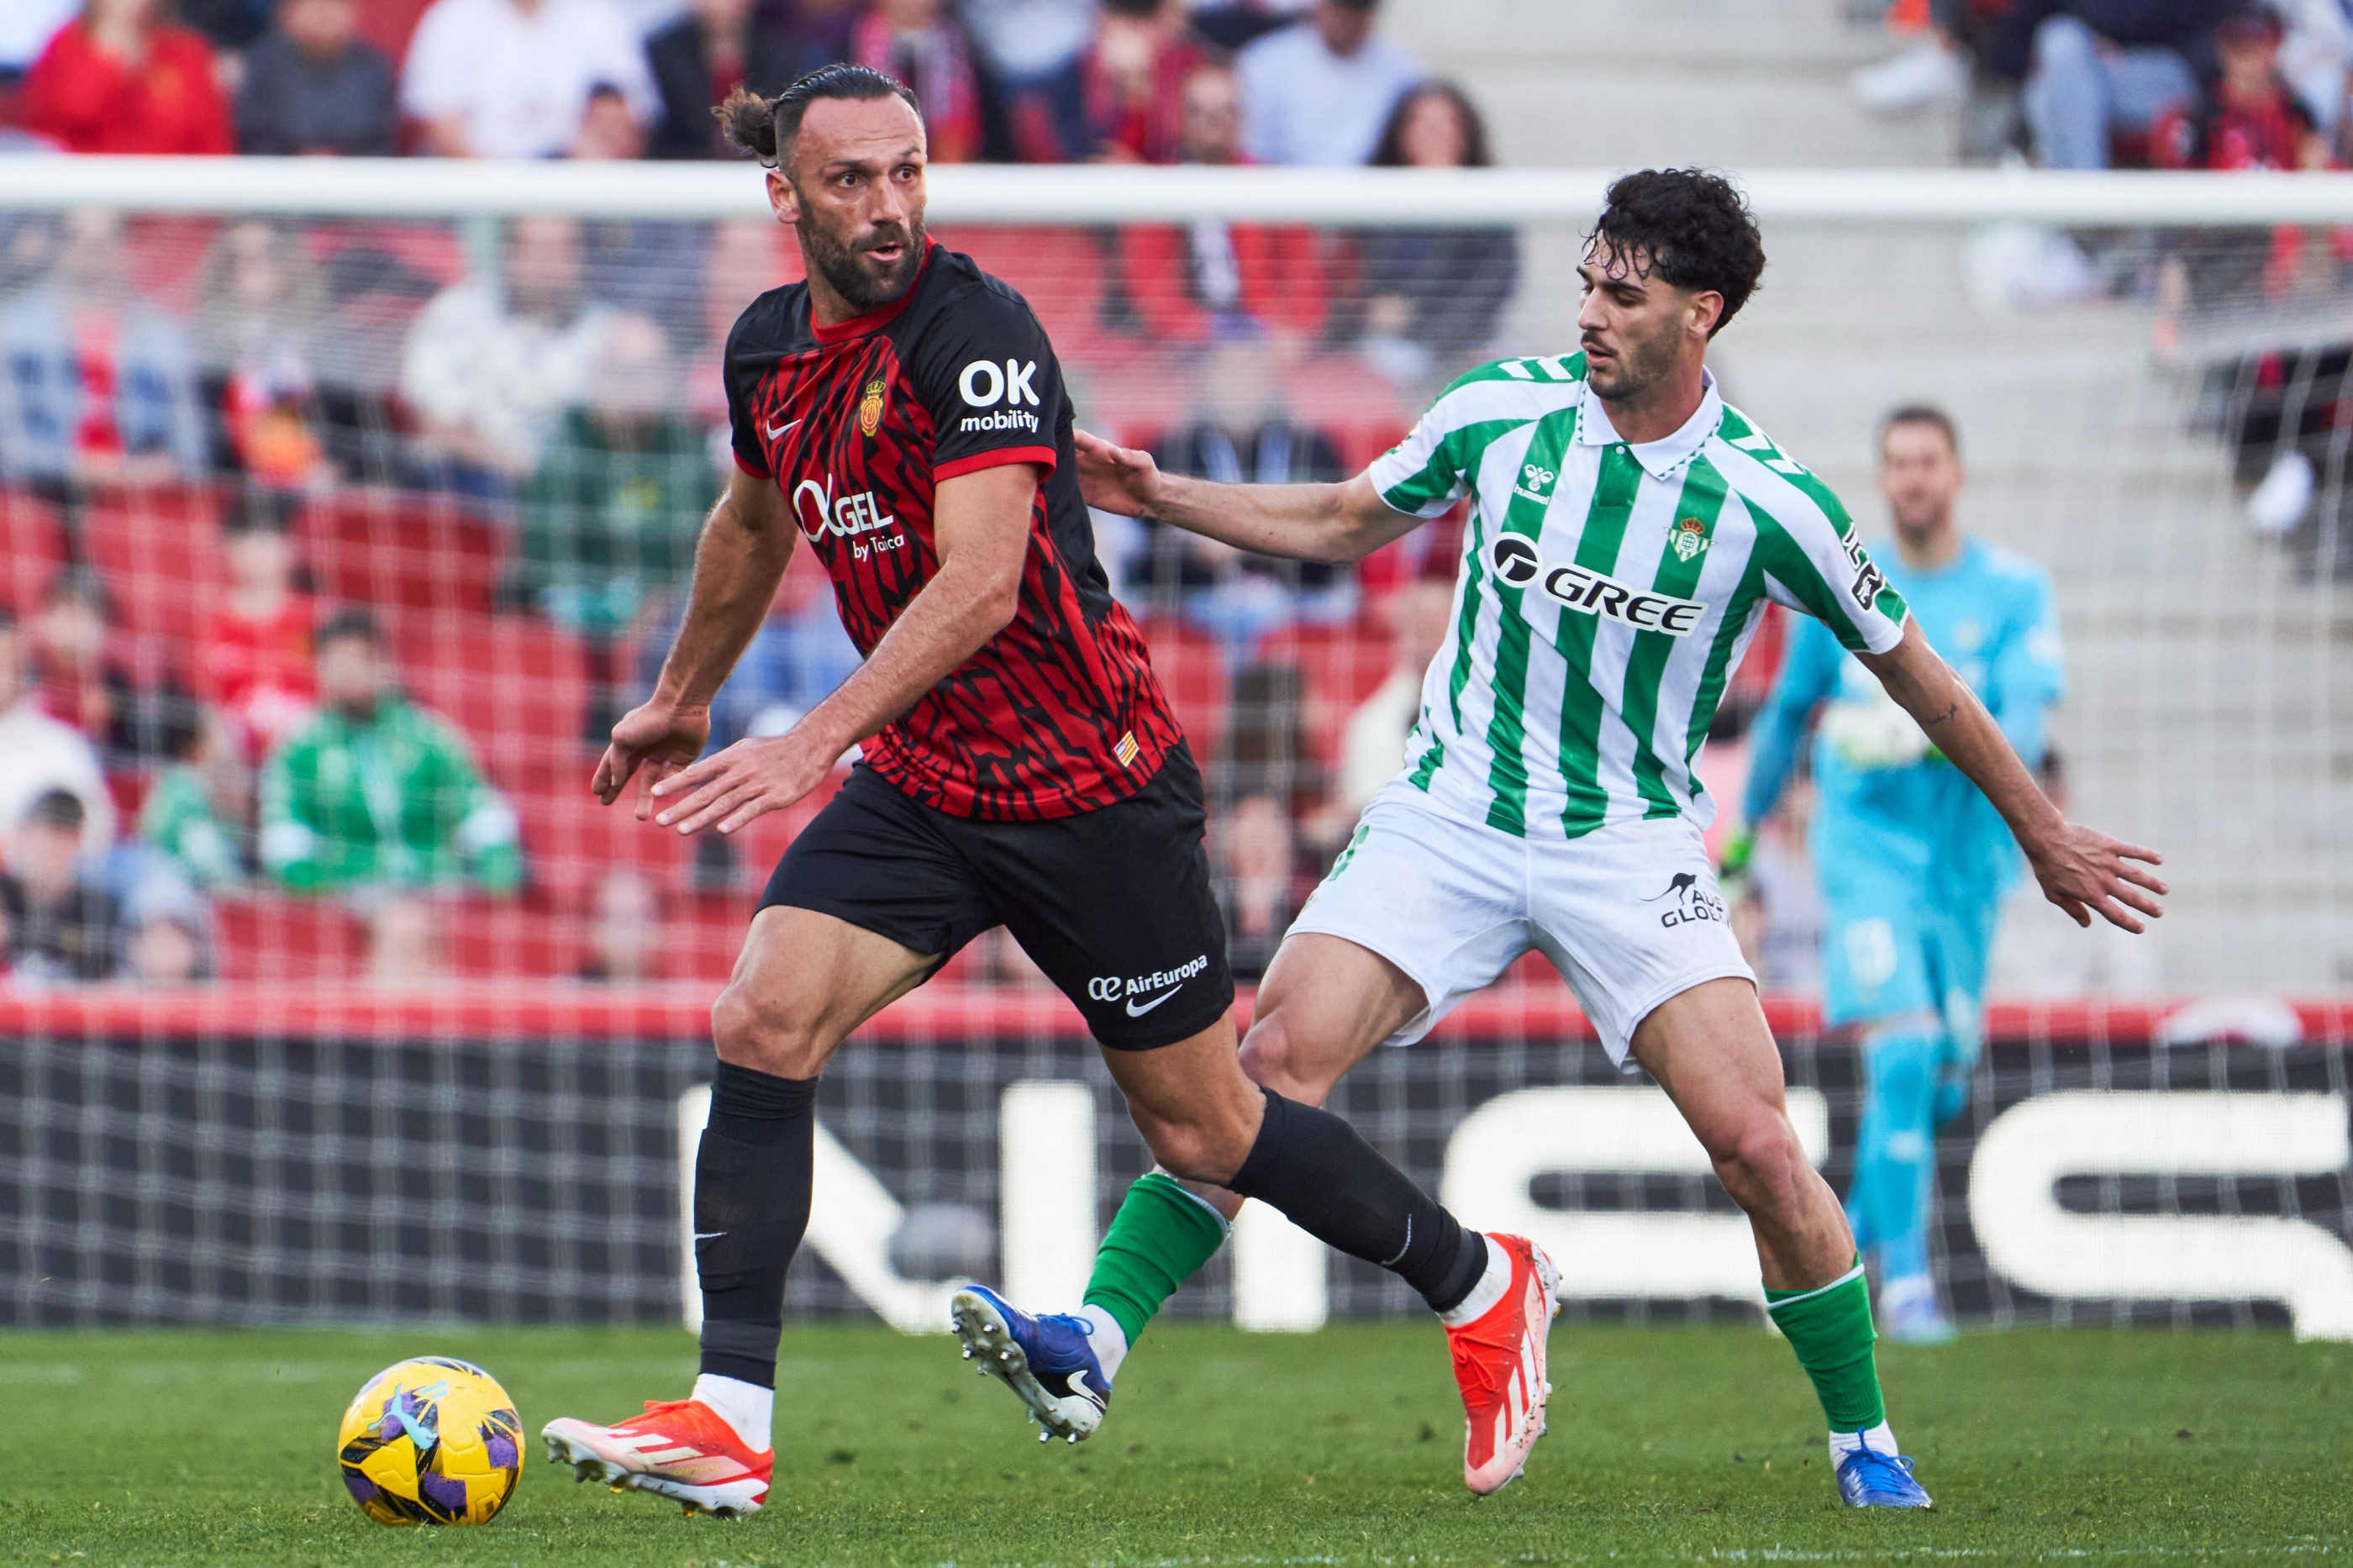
[1591,593]
[859,519]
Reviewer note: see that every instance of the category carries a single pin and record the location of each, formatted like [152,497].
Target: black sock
[751,1205]
[1337,1187]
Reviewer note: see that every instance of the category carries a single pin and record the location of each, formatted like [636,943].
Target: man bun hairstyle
[1685,226]
[764,127]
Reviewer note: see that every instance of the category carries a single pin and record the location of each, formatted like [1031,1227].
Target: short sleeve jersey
[858,425]
[1607,592]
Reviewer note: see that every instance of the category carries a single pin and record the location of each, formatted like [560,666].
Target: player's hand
[747,781]
[1116,478]
[651,741]
[2085,872]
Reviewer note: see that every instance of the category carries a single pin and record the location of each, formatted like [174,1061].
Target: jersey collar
[881,316]
[1661,458]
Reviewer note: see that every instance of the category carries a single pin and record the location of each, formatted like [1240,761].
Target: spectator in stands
[1134,76]
[1434,296]
[1319,91]
[490,363]
[2097,67]
[512,79]
[1196,283]
[64,925]
[254,657]
[120,79]
[259,323]
[717,46]
[609,520]
[405,943]
[313,86]
[920,44]
[39,755]
[2245,118]
[166,946]
[626,937]
[1232,25]
[1241,432]
[82,686]
[1269,785]
[98,386]
[645,265]
[1028,52]
[376,793]
[198,813]
[1373,739]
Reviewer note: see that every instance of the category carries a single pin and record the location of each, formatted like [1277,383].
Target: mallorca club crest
[1690,538]
[870,409]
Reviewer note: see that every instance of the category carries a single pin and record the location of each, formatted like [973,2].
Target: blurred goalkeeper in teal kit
[1913,859]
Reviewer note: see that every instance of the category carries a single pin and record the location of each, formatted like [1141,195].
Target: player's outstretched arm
[2081,870]
[980,525]
[746,543]
[1346,522]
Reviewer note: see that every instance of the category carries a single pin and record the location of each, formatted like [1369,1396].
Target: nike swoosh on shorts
[1135,1012]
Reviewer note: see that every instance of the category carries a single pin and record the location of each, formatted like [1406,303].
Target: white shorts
[1630,915]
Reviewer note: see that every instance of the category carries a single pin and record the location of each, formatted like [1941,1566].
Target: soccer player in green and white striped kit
[1627,529]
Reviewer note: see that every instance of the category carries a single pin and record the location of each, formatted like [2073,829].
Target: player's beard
[864,283]
[1638,366]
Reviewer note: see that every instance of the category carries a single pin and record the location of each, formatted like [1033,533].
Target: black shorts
[1113,904]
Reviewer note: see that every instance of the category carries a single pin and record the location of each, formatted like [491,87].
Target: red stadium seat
[517,685]
[32,548]
[1192,671]
[268,937]
[401,548]
[1341,666]
[160,553]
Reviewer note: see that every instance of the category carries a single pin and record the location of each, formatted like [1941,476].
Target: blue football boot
[1868,1479]
[1047,1360]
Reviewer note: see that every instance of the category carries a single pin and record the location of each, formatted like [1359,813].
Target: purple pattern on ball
[389,1427]
[448,1495]
[502,1452]
[361,1489]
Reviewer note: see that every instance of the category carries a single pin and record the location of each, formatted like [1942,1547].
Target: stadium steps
[1621,83]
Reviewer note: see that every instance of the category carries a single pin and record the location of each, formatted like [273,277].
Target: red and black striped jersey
[857,424]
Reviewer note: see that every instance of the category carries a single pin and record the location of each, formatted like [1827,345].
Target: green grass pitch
[1673,1444]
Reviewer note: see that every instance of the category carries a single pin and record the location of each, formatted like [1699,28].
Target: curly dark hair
[764,127]
[1688,227]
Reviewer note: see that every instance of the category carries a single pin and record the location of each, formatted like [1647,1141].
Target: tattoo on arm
[1952,712]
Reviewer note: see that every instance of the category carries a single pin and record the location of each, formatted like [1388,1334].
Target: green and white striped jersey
[1607,593]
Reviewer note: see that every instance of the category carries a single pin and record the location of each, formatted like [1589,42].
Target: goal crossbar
[1092,193]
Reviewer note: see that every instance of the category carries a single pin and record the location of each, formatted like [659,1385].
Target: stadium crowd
[332,549]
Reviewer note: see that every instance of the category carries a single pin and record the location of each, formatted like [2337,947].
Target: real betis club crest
[869,409]
[1690,538]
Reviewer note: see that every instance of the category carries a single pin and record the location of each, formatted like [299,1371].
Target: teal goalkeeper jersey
[1608,591]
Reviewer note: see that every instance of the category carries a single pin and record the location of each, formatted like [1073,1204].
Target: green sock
[1829,1328]
[1160,1237]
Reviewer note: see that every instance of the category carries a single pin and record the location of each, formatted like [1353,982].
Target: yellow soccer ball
[430,1441]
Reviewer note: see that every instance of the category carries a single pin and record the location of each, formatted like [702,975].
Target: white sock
[1879,1440]
[745,1407]
[1109,1339]
[1484,1294]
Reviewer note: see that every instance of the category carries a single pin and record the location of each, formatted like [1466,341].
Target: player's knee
[1198,1151]
[753,1031]
[1761,1162]
[1274,1056]
[1903,1067]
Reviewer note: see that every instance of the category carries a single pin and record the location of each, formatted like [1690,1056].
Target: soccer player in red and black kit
[903,413]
